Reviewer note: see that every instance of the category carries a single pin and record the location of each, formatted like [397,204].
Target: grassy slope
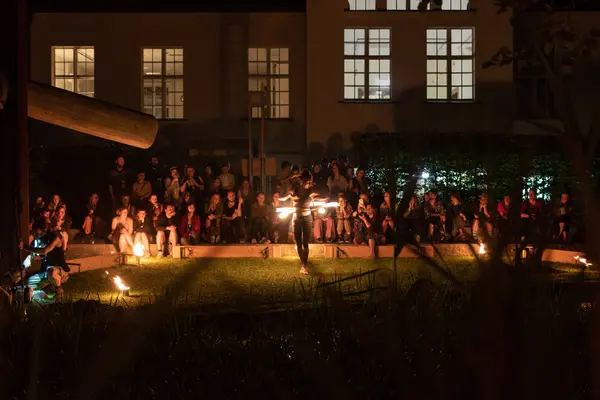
[213,281]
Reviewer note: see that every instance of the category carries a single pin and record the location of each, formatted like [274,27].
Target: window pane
[431,93]
[69,54]
[262,54]
[156,69]
[157,55]
[59,54]
[147,57]
[59,69]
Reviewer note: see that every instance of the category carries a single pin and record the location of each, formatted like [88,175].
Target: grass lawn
[228,281]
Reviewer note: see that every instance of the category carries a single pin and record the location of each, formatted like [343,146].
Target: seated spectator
[282,179]
[336,183]
[172,188]
[61,223]
[387,213]
[54,203]
[323,226]
[122,230]
[232,221]
[213,214]
[503,216]
[186,200]
[343,219]
[190,227]
[455,215]
[142,231]
[531,210]
[482,216]
[411,220]
[94,226]
[227,179]
[142,189]
[370,231]
[38,208]
[166,229]
[562,218]
[155,207]
[435,216]
[260,223]
[280,226]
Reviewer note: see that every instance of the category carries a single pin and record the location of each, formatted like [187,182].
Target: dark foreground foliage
[515,339]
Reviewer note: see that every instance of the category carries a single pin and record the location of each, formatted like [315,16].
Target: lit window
[269,71]
[362,5]
[403,4]
[73,69]
[163,82]
[367,64]
[450,5]
[450,59]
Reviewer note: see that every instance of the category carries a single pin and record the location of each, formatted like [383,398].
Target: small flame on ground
[120,284]
[481,248]
[583,261]
[138,250]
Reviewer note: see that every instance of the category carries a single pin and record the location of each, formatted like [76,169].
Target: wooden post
[91,116]
[23,123]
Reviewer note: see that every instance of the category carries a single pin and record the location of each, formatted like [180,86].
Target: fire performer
[55,270]
[302,197]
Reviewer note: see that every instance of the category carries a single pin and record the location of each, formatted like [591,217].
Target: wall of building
[215,70]
[334,125]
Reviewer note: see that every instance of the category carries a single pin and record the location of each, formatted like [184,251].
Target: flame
[321,210]
[120,284]
[481,248]
[138,250]
[583,261]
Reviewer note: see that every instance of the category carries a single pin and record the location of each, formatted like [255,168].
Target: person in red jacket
[190,226]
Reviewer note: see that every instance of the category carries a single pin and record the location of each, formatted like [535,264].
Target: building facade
[321,75]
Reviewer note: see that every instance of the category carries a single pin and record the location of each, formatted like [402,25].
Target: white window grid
[73,69]
[450,64]
[163,82]
[367,64]
[269,71]
[413,5]
[362,5]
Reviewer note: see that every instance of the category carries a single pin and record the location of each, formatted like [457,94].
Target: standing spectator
[260,222]
[283,178]
[166,229]
[232,222]
[38,208]
[359,183]
[194,185]
[142,231]
[155,175]
[122,230]
[320,181]
[172,188]
[190,227]
[483,216]
[208,176]
[227,179]
[214,188]
[213,214]
[531,210]
[142,189]
[343,216]
[562,218]
[61,223]
[126,203]
[246,193]
[336,183]
[118,184]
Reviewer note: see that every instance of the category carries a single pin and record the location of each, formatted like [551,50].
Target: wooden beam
[93,117]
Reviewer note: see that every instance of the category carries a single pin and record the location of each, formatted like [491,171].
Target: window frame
[163,77]
[366,59]
[353,3]
[449,58]
[76,77]
[271,90]
[408,6]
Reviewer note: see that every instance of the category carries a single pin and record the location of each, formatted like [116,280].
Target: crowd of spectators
[190,207]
